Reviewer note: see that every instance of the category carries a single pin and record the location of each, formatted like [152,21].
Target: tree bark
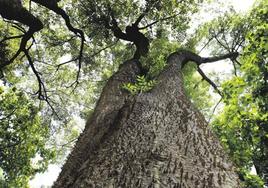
[154,139]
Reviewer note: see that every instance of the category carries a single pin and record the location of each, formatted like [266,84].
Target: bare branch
[209,80]
[41,87]
[42,92]
[64,63]
[190,56]
[10,38]
[235,70]
[160,20]
[106,47]
[214,109]
[233,55]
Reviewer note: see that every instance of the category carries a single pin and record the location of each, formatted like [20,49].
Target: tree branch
[162,19]
[53,5]
[10,38]
[232,55]
[187,56]
[214,109]
[209,81]
[22,15]
[42,92]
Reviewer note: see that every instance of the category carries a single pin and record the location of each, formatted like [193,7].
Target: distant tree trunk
[154,139]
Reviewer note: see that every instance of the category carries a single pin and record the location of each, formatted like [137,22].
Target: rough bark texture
[155,139]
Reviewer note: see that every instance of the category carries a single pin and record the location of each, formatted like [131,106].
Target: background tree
[242,124]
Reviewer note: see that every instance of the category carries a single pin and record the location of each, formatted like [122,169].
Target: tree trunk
[154,139]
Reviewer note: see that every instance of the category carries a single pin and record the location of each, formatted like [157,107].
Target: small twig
[9,115]
[69,142]
[225,47]
[226,42]
[61,42]
[209,40]
[235,70]
[160,20]
[106,47]
[64,63]
[214,109]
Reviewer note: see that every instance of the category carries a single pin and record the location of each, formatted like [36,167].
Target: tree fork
[157,139]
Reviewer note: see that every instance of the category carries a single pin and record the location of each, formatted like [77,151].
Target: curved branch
[22,15]
[186,56]
[232,55]
[190,56]
[53,5]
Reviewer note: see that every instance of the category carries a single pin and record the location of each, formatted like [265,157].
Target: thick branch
[132,34]
[232,55]
[190,56]
[20,14]
[186,56]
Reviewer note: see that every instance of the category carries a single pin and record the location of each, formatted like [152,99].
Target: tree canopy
[56,56]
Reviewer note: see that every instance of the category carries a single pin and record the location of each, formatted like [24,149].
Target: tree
[152,139]
[141,133]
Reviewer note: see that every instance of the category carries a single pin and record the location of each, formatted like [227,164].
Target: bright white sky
[47,178]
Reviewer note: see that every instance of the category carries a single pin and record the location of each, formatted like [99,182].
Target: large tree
[144,134]
[153,139]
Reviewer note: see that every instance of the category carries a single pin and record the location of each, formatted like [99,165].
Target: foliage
[250,180]
[140,86]
[242,125]
[52,49]
[155,62]
[23,150]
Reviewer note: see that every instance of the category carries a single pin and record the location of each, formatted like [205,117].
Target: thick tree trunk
[154,139]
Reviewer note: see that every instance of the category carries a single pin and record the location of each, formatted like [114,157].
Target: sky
[47,178]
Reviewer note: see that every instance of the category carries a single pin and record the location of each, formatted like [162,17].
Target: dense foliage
[242,125]
[23,150]
[31,134]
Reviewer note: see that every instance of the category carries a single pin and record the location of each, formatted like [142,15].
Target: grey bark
[154,139]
